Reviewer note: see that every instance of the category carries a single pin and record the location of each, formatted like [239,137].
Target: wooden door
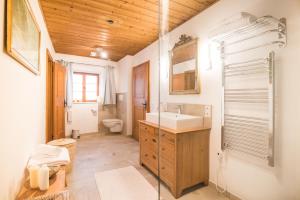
[49,97]
[59,90]
[140,96]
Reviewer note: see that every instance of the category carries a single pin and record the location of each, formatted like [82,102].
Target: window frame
[84,74]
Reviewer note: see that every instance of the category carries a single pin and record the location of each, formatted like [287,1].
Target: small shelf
[263,25]
[57,184]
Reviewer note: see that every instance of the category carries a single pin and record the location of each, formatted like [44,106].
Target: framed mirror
[184,67]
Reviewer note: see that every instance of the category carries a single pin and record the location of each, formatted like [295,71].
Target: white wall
[246,179]
[125,78]
[124,71]
[22,103]
[125,67]
[82,117]
[22,108]
[85,60]
[150,53]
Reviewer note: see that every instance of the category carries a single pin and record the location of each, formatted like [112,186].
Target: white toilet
[114,125]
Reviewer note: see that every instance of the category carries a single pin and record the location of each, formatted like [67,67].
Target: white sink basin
[176,121]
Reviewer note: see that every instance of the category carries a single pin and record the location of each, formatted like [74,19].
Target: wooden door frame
[49,96]
[133,86]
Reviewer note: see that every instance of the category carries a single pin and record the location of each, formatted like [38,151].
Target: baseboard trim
[227,193]
[89,134]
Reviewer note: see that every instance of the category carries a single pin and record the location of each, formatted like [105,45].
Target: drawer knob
[163,168]
[146,155]
[154,157]
[154,140]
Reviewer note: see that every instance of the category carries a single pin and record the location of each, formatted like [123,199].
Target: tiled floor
[97,153]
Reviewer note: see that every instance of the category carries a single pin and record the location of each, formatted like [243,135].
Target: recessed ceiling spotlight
[104,55]
[110,21]
[93,54]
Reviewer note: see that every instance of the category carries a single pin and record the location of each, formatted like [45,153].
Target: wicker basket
[64,195]
[70,144]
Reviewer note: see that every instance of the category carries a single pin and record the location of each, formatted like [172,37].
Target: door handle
[145,105]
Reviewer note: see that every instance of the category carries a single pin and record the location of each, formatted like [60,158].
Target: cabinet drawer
[149,143]
[149,147]
[167,172]
[143,133]
[167,137]
[148,129]
[146,138]
[167,151]
[150,160]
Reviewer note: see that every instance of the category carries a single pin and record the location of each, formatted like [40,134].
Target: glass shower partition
[165,175]
[181,153]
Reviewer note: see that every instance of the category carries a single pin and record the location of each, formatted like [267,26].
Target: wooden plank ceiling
[77,27]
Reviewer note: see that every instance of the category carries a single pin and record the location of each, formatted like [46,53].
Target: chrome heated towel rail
[243,130]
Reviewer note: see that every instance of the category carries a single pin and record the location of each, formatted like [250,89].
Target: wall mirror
[183,67]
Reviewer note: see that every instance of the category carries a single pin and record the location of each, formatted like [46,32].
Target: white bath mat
[124,184]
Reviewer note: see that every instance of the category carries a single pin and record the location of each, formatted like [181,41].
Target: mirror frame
[184,41]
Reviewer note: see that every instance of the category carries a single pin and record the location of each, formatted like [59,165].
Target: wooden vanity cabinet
[183,156]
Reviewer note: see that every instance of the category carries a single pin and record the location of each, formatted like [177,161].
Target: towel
[49,155]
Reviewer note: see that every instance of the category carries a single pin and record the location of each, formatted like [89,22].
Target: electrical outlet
[220,155]
[207,111]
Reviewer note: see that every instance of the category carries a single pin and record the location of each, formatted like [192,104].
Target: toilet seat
[112,120]
[114,125]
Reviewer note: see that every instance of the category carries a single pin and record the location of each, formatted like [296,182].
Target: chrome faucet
[179,109]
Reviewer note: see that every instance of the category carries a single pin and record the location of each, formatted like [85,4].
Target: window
[85,87]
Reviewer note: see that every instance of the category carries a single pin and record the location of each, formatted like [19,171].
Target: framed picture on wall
[23,35]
